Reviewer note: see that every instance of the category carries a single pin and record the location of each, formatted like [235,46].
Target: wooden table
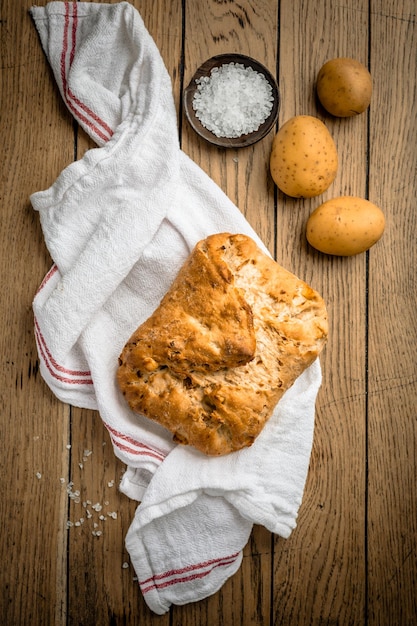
[352,559]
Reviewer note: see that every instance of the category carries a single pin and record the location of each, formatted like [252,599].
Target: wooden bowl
[243,140]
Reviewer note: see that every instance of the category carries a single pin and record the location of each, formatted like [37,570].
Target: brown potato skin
[344,87]
[303,161]
[345,226]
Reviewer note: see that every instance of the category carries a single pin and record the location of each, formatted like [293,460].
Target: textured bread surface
[230,336]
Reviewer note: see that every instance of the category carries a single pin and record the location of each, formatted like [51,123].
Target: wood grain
[325,557]
[248,28]
[392,370]
[34,425]
[100,516]
[352,558]
[99,566]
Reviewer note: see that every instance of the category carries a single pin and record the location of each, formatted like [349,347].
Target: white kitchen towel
[184,540]
[118,224]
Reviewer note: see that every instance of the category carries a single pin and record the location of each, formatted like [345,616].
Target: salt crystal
[73,495]
[235,100]
[38,475]
[125,565]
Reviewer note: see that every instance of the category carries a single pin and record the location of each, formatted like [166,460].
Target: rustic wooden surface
[352,559]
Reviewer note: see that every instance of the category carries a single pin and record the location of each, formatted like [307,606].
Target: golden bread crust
[230,336]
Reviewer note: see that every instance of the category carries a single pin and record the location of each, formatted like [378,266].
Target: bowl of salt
[232,101]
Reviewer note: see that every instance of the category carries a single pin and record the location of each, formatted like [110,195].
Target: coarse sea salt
[233,101]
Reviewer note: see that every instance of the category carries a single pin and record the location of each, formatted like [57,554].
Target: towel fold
[118,224]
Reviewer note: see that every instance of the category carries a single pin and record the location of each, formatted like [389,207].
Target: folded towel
[118,224]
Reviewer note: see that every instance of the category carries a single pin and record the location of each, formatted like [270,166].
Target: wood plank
[102,583]
[392,397]
[323,562]
[352,558]
[248,28]
[34,425]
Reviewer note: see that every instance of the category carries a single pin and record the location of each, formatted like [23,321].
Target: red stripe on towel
[49,275]
[93,121]
[51,360]
[65,379]
[185,574]
[135,447]
[59,372]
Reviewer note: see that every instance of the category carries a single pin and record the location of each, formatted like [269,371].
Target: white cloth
[118,224]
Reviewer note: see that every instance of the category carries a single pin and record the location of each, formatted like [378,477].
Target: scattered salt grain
[125,565]
[233,101]
[73,494]
[38,475]
[91,511]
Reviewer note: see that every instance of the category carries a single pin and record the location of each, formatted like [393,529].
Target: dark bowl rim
[204,70]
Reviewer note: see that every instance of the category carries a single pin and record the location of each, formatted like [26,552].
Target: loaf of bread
[230,336]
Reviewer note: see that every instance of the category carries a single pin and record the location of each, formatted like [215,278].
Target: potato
[345,226]
[303,161]
[344,87]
